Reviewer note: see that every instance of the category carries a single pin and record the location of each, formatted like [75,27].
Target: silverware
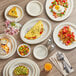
[62,58]
[55,62]
[66,66]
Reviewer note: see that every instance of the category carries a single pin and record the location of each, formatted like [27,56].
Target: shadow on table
[43,73]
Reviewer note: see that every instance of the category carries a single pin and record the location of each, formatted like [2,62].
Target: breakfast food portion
[58,8]
[23,50]
[35,32]
[66,36]
[21,71]
[4,49]
[13,12]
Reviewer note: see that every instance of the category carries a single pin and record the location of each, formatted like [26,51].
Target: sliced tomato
[34,37]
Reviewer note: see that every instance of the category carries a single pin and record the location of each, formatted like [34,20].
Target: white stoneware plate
[20,13]
[58,41]
[40,52]
[30,24]
[68,12]
[14,46]
[34,8]
[6,68]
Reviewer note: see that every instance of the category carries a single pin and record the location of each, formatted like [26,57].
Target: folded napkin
[59,64]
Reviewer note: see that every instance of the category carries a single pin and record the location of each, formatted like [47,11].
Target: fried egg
[58,9]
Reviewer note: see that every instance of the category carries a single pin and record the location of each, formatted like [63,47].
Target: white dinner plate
[20,13]
[6,68]
[14,46]
[67,14]
[30,24]
[58,41]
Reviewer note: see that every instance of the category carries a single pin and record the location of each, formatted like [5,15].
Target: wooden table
[70,54]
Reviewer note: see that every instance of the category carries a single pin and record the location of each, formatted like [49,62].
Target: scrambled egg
[35,32]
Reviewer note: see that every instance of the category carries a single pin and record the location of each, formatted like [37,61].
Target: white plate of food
[8,46]
[14,13]
[65,35]
[57,10]
[33,64]
[35,31]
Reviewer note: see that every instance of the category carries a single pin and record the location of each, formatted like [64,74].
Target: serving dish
[13,45]
[67,13]
[57,39]
[30,24]
[6,68]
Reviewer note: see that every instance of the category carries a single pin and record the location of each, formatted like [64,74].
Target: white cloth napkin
[59,65]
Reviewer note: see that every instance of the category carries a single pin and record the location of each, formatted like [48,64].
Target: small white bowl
[40,52]
[34,8]
[24,55]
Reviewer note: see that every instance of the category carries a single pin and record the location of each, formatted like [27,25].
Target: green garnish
[12,23]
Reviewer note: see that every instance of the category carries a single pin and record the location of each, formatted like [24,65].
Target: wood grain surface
[71,54]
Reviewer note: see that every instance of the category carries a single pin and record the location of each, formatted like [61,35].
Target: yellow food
[35,32]
[4,41]
[5,48]
[13,12]
[48,67]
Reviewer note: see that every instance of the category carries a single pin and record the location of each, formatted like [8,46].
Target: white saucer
[34,8]
[19,11]
[40,52]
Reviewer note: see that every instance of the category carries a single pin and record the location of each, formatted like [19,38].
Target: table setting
[38,38]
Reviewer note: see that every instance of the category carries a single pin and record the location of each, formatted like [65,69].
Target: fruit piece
[48,67]
[66,36]
[13,12]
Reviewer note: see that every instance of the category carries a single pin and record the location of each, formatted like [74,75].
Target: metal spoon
[60,57]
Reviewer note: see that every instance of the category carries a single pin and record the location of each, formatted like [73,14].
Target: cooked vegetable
[66,36]
[23,50]
[60,5]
